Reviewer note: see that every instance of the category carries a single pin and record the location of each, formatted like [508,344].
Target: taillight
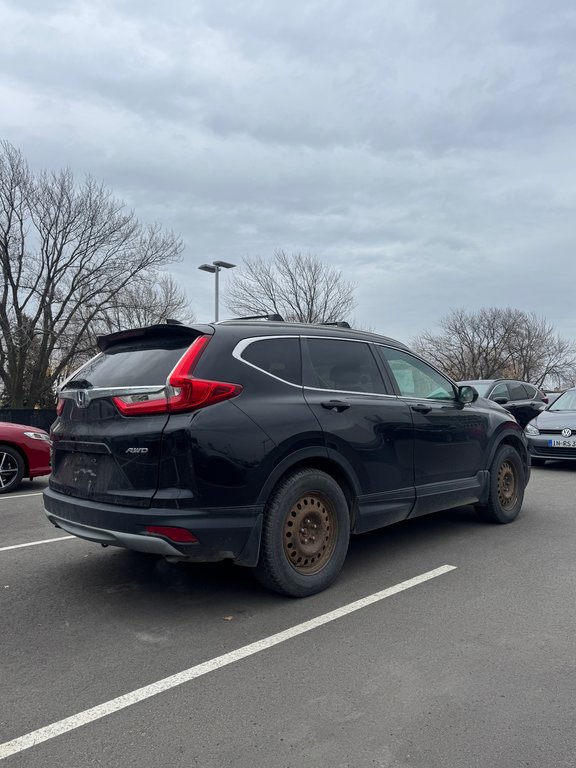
[60,406]
[184,392]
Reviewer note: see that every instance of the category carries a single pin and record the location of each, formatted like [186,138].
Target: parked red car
[24,452]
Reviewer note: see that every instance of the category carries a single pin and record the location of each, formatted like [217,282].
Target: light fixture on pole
[215,268]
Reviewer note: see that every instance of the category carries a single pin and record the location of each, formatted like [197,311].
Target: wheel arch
[333,466]
[517,442]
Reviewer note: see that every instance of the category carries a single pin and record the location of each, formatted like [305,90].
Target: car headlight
[38,436]
[531,430]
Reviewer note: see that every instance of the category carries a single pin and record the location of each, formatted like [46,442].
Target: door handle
[335,405]
[421,408]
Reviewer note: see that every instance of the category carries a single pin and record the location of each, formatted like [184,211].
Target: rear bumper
[232,533]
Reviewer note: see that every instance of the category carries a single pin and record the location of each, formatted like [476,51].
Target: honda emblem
[81,398]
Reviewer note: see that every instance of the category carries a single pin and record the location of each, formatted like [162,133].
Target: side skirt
[379,509]
[434,497]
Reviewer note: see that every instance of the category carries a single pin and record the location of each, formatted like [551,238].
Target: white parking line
[140,694]
[35,543]
[20,496]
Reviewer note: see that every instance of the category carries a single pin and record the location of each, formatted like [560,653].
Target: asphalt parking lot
[445,642]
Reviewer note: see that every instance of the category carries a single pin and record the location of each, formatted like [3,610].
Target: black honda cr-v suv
[269,443]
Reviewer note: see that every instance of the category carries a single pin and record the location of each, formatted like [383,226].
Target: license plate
[564,443]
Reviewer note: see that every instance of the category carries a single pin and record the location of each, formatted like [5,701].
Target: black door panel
[450,439]
[372,431]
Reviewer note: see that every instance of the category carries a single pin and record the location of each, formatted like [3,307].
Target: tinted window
[280,357]
[517,391]
[415,378]
[348,366]
[531,391]
[130,365]
[500,390]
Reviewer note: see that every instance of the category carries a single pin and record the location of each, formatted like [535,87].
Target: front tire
[507,482]
[11,468]
[305,535]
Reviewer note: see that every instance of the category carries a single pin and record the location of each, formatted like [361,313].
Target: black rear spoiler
[168,330]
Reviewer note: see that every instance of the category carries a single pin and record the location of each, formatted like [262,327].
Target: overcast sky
[427,148]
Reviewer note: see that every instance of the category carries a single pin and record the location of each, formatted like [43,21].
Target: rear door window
[344,366]
[518,391]
[500,390]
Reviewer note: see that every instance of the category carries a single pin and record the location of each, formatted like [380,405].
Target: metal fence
[32,417]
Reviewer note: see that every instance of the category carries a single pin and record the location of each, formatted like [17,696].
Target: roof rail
[338,324]
[272,317]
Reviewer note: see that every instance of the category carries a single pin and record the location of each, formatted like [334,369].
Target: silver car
[552,434]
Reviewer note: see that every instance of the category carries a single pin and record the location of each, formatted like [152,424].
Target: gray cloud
[425,149]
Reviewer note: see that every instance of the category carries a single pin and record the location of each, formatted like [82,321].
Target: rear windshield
[132,364]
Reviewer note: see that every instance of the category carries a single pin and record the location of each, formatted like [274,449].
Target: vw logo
[82,399]
[566,432]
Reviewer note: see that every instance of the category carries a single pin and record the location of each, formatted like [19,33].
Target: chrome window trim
[98,393]
[352,392]
[245,343]
[430,399]
[242,345]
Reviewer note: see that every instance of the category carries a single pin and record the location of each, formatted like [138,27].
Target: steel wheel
[305,534]
[507,484]
[310,534]
[505,489]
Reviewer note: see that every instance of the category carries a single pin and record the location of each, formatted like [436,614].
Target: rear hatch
[112,412]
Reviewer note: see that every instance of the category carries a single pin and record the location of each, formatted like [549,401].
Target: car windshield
[566,402]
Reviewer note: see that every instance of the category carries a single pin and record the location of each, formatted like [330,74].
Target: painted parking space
[105,709]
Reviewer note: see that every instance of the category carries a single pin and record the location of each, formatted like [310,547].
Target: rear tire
[11,468]
[507,482]
[305,535]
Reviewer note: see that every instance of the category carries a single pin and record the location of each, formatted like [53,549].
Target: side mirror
[500,400]
[467,394]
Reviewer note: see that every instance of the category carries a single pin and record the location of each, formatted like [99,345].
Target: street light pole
[216,293]
[215,268]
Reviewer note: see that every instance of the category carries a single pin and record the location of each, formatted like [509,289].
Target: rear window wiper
[78,384]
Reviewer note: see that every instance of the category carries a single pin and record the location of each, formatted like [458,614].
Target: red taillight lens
[60,406]
[185,393]
[198,393]
[140,407]
[179,535]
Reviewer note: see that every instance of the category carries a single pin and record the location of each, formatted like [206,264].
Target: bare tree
[494,343]
[67,252]
[143,302]
[298,286]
